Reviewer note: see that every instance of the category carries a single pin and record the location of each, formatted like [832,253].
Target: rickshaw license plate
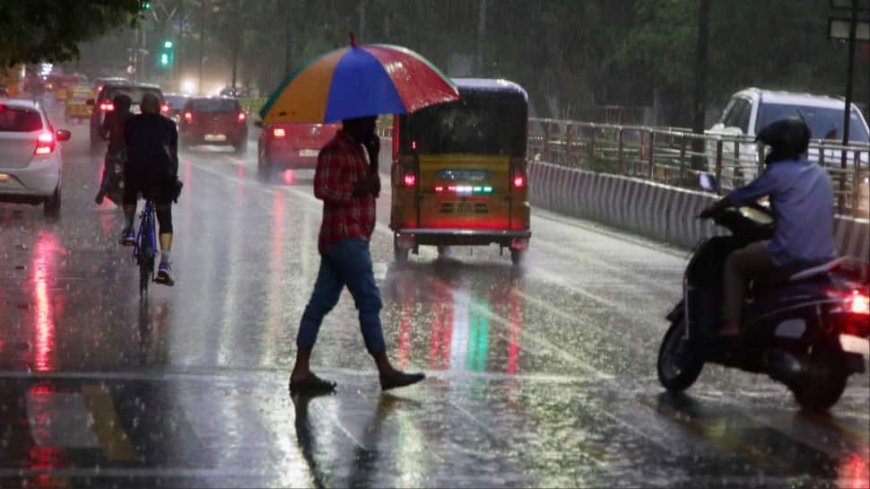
[215,137]
[308,153]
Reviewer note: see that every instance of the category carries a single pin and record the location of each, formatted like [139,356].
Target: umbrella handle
[352,39]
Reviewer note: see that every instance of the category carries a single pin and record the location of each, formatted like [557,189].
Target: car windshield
[215,105]
[19,119]
[135,93]
[825,123]
[477,124]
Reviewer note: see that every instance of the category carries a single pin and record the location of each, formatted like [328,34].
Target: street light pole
[847,113]
[201,42]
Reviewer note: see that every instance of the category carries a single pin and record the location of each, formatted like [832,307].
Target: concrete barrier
[653,210]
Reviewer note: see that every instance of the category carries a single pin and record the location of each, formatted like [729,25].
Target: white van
[751,109]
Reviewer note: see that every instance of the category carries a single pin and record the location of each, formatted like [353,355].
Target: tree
[47,30]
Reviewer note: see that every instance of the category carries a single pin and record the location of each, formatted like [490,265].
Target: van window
[825,123]
[477,124]
[738,114]
[215,105]
[19,119]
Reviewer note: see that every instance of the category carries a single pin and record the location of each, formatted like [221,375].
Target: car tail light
[45,144]
[279,132]
[107,106]
[164,108]
[242,117]
[518,173]
[409,179]
[188,117]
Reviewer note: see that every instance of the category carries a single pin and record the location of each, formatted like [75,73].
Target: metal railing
[676,156]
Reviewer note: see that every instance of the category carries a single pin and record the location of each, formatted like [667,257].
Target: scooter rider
[802,203]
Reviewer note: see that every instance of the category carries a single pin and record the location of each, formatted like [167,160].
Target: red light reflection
[288,177]
[854,472]
[43,268]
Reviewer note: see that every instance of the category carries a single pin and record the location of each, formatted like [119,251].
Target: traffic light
[145,5]
[166,56]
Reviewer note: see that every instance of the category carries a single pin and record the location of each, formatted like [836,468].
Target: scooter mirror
[707,182]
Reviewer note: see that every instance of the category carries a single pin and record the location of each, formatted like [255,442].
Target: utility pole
[481,33]
[847,113]
[699,103]
[201,42]
[237,45]
[361,31]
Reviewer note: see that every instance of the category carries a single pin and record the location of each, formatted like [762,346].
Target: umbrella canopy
[358,81]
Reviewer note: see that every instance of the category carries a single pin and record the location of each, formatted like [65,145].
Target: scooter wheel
[678,367]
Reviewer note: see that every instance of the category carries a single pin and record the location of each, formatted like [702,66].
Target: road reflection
[772,448]
[472,315]
[44,268]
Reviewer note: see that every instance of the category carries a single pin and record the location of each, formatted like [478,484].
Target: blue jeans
[349,263]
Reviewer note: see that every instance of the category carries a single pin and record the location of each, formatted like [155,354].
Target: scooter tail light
[107,107]
[858,304]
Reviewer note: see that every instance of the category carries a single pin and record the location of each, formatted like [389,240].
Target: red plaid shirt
[341,164]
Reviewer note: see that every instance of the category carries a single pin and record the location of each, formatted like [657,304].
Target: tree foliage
[49,30]
[572,56]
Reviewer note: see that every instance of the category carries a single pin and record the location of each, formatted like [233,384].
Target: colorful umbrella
[358,81]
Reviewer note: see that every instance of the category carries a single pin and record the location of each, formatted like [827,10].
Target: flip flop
[312,385]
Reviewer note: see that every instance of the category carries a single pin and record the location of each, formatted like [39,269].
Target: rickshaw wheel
[401,254]
[517,256]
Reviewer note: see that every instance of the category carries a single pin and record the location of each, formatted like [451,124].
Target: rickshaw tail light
[409,179]
[279,132]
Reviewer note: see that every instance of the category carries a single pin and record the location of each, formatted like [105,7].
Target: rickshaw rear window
[474,125]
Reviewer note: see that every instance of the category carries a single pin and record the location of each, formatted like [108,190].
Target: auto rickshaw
[459,173]
[77,105]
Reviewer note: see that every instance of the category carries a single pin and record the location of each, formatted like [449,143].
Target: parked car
[751,109]
[214,120]
[291,146]
[30,156]
[176,102]
[103,104]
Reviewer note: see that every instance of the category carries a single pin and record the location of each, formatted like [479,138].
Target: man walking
[348,186]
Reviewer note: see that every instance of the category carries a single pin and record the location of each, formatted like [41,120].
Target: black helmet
[787,138]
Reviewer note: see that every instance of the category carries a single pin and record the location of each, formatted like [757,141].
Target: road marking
[106,425]
[59,420]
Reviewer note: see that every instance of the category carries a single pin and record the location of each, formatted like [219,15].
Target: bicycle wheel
[146,268]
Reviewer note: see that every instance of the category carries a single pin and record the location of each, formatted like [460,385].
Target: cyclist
[116,154]
[152,171]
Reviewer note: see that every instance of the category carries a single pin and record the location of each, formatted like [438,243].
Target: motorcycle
[807,326]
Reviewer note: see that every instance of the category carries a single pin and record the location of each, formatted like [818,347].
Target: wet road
[544,377]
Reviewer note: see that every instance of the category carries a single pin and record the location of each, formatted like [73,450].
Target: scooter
[807,327]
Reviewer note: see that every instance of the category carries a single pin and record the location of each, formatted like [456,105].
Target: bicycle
[145,247]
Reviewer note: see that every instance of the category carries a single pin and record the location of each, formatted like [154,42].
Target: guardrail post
[856,184]
[568,134]
[682,159]
[718,164]
[546,149]
[651,155]
[619,150]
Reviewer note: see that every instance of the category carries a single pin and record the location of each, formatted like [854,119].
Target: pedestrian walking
[348,185]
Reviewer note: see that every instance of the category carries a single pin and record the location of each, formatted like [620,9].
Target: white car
[751,109]
[30,156]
